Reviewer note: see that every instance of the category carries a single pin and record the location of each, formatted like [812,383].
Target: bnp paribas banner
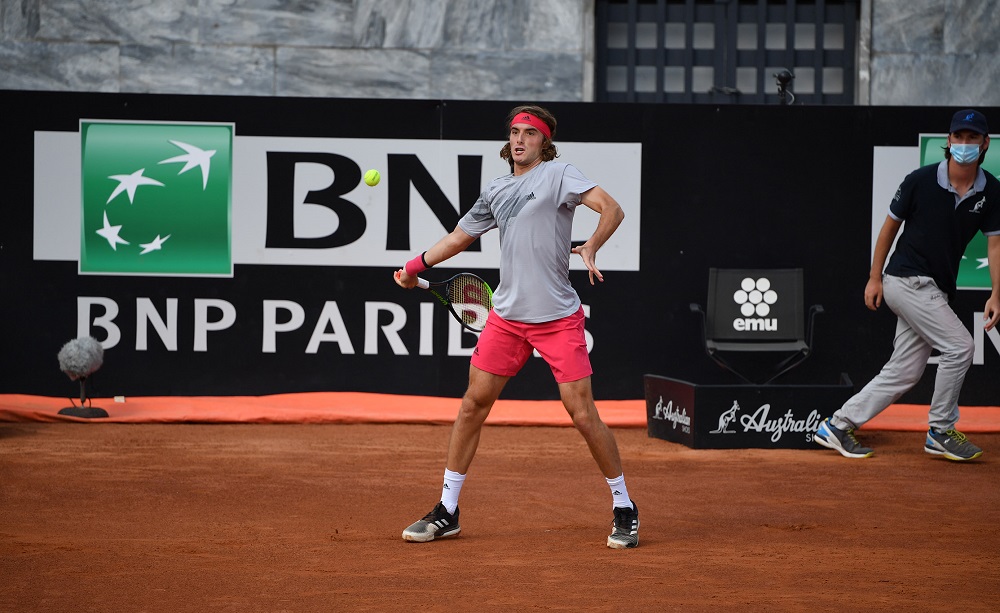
[196,199]
[892,164]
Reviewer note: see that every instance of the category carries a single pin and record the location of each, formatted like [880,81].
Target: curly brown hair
[549,151]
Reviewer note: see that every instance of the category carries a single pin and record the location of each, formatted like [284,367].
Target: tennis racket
[468,298]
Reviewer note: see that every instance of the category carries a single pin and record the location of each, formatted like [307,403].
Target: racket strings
[470,291]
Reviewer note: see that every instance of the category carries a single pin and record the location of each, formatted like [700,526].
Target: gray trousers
[925,322]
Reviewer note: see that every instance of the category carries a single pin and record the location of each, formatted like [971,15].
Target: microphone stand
[88,412]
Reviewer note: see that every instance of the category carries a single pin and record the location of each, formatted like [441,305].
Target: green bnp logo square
[974,269]
[156,198]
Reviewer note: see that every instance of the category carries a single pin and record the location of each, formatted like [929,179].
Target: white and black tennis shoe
[439,523]
[625,534]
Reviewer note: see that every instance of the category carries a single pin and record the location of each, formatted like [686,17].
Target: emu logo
[755,297]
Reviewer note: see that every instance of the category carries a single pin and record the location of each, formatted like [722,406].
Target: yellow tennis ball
[372,177]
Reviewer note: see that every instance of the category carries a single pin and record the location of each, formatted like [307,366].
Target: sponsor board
[193,199]
[282,200]
[740,416]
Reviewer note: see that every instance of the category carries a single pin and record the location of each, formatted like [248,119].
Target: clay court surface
[252,517]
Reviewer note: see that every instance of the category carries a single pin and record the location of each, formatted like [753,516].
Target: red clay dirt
[167,518]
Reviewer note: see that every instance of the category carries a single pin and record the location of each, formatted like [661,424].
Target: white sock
[619,492]
[451,489]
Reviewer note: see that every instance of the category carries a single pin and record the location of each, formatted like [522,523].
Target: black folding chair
[756,311]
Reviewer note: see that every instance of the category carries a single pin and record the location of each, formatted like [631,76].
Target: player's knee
[586,419]
[474,405]
[471,407]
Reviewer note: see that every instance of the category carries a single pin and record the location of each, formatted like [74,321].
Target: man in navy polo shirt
[943,205]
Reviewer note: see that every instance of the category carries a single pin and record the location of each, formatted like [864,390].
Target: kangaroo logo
[675,415]
[727,418]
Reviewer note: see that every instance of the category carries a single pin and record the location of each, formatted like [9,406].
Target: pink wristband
[416,266]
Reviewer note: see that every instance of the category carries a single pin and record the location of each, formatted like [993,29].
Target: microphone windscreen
[80,357]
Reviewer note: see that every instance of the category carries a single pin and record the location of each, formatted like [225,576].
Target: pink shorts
[504,347]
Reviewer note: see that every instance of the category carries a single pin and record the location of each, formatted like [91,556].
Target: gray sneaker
[439,523]
[832,437]
[952,444]
[625,534]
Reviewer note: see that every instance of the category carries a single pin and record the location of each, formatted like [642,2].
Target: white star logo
[128,184]
[156,245]
[983,262]
[110,233]
[193,157]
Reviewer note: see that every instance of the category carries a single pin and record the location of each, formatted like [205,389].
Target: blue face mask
[964,154]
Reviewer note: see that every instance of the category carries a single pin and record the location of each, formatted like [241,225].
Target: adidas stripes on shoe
[439,523]
[625,534]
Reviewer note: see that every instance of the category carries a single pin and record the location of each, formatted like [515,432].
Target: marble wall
[935,52]
[913,52]
[455,49]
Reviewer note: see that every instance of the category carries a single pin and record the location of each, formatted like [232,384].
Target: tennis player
[534,307]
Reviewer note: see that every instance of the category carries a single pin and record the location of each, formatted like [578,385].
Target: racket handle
[422,284]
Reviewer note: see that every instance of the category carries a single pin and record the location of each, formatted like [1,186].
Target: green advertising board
[156,198]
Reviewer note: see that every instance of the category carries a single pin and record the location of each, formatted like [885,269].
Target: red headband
[534,122]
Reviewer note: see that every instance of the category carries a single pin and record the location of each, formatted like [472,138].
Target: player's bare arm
[611,217]
[873,290]
[991,312]
[451,245]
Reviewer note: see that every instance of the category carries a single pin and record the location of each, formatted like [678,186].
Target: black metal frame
[725,57]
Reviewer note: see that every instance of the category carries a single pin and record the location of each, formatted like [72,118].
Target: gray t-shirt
[534,212]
